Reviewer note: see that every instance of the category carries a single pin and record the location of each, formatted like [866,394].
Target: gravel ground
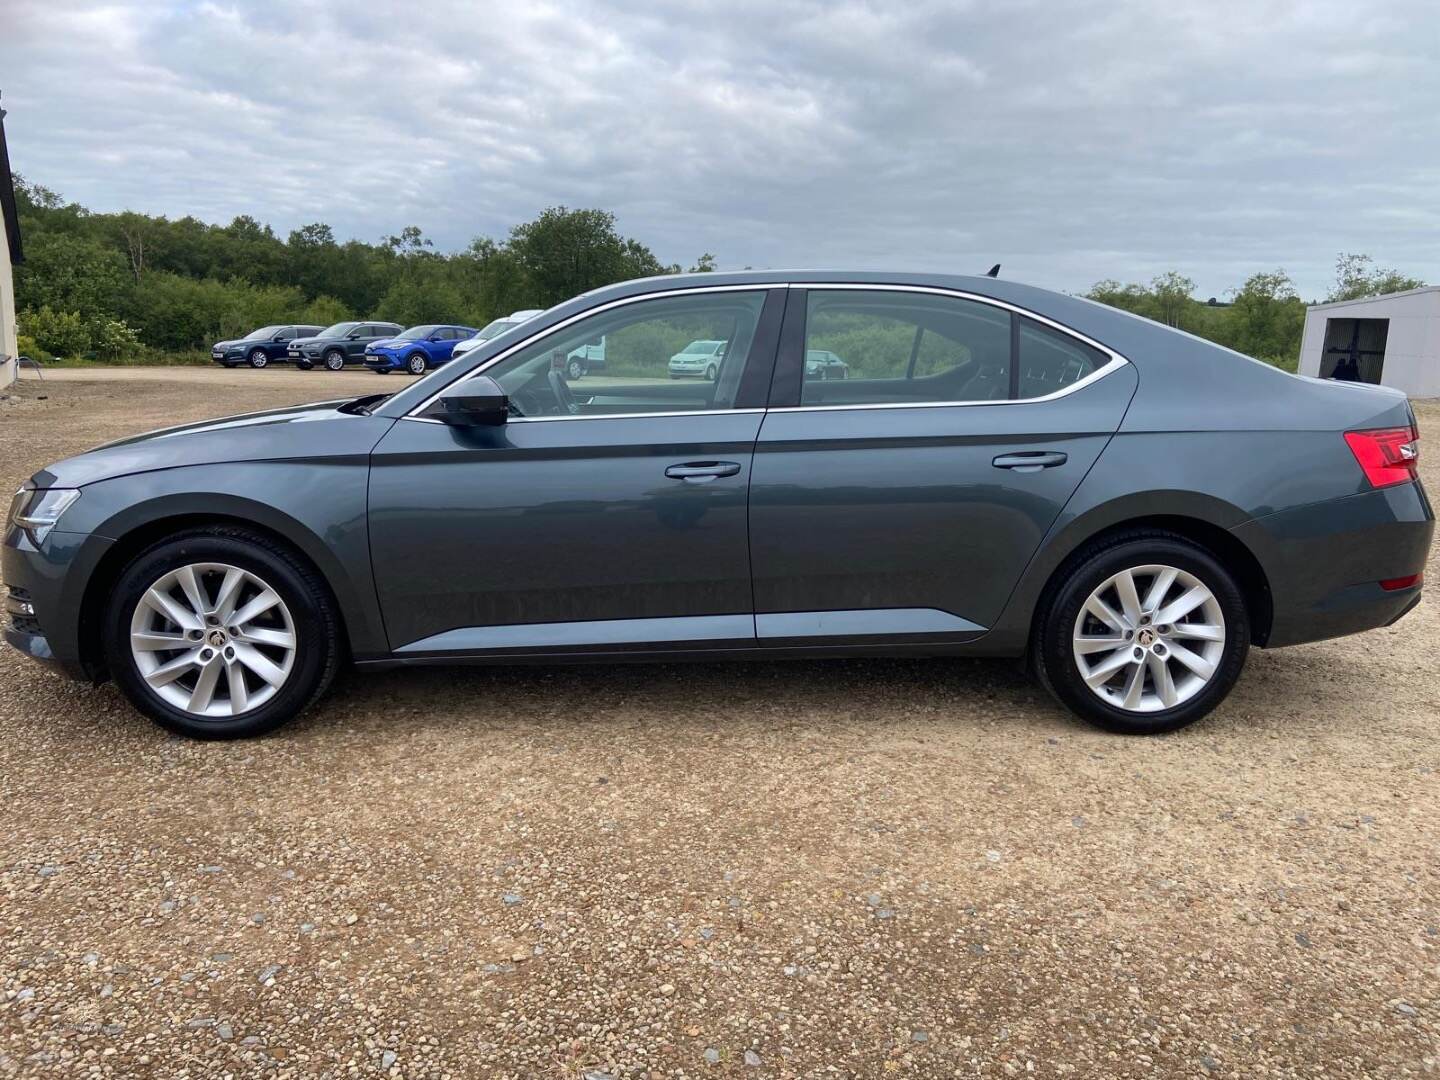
[841,868]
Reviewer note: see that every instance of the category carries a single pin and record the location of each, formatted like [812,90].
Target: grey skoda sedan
[1004,471]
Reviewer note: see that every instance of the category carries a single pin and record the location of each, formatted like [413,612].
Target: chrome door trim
[602,416]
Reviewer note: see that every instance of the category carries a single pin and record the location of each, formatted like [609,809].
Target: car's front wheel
[710,373]
[1145,633]
[220,633]
[416,364]
[334,360]
[258,359]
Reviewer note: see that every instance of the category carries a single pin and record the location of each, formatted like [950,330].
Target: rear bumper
[1325,561]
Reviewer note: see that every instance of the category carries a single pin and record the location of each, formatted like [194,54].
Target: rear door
[904,500]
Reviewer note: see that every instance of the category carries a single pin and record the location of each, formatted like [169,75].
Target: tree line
[128,286]
[131,286]
[1263,318]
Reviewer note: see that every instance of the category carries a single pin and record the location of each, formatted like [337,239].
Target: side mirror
[476,402]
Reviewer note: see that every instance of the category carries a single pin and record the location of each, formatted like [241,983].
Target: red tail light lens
[1394,584]
[1387,455]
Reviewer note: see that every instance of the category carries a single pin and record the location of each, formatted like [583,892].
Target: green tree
[1172,294]
[566,252]
[1357,276]
[63,333]
[1266,318]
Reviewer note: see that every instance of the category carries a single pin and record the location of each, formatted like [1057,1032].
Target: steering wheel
[561,389]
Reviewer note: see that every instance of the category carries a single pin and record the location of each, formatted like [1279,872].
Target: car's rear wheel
[575,368]
[221,633]
[258,359]
[334,360]
[1145,632]
[416,364]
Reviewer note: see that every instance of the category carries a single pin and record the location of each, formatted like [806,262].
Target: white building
[1393,340]
[9,253]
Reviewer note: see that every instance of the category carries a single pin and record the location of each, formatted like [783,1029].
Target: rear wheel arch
[1220,542]
[146,535]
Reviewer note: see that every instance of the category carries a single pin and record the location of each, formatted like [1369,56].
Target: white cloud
[1069,141]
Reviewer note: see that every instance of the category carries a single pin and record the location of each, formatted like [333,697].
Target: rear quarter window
[1050,360]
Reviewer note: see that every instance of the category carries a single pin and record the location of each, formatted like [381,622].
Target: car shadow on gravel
[757,694]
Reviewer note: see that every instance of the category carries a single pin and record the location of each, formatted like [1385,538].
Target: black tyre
[710,373]
[416,364]
[1143,632]
[575,369]
[258,359]
[304,365]
[221,633]
[335,360]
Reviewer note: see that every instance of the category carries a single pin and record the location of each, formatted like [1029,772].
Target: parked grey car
[338,345]
[1005,472]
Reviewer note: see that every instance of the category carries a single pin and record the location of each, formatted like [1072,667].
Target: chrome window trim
[1115,362]
[603,416]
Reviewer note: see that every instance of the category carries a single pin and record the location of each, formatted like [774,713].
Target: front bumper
[382,363]
[1325,561]
[51,579]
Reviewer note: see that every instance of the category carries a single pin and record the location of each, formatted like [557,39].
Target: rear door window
[894,347]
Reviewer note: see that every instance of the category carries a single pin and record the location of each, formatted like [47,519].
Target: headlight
[37,510]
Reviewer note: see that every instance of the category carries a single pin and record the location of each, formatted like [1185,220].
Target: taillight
[1387,455]
[1409,581]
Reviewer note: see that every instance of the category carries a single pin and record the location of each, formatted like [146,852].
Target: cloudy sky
[1070,141]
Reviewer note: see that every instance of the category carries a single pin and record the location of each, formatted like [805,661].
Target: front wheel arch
[127,547]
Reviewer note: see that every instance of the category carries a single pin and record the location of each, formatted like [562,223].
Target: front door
[900,489]
[608,513]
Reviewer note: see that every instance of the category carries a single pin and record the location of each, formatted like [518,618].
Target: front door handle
[1030,460]
[702,472]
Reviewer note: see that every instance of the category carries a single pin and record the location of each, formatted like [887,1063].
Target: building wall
[8,347]
[1412,350]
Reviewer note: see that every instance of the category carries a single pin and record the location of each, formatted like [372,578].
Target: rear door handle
[1030,460]
[701,472]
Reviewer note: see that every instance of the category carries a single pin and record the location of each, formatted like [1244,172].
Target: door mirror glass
[475,402]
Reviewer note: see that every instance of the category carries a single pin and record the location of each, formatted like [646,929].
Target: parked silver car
[700,359]
[493,330]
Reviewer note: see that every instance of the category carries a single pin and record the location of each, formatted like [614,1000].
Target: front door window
[646,366]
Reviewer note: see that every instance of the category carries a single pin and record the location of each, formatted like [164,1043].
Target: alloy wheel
[1149,638]
[334,360]
[258,359]
[213,640]
[416,364]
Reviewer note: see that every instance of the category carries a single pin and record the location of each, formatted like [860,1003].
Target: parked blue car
[416,350]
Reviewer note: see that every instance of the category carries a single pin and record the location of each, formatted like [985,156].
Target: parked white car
[588,357]
[699,359]
[494,329]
